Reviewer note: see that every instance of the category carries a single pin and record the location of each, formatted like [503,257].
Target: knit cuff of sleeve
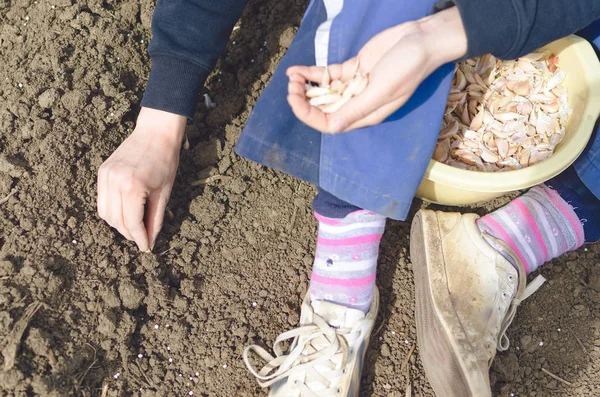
[174,85]
[485,37]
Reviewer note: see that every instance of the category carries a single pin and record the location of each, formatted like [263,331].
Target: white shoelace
[314,345]
[524,291]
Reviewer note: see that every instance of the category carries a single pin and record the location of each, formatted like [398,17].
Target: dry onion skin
[503,115]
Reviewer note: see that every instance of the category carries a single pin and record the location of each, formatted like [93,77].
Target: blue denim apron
[588,164]
[378,168]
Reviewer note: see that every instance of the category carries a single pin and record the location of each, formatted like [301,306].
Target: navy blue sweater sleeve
[513,28]
[187,38]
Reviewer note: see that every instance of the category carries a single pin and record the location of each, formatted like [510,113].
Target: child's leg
[327,350]
[346,256]
[547,221]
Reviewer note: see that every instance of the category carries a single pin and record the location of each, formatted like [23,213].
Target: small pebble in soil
[53,7]
[191,378]
[168,348]
[197,373]
[170,360]
[20,85]
[168,325]
[140,355]
[225,366]
[74,241]
[253,304]
[233,42]
[191,393]
[541,343]
[393,332]
[559,330]
[155,326]
[406,341]
[180,375]
[116,376]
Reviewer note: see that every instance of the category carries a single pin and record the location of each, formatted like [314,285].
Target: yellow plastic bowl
[448,185]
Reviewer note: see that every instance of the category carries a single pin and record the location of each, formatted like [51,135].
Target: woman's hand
[396,61]
[135,182]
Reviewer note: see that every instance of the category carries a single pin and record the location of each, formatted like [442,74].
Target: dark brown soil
[233,261]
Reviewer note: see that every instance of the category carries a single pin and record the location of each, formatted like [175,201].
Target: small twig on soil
[379,328]
[139,381]
[111,15]
[144,375]
[167,250]
[81,376]
[134,379]
[558,378]
[407,359]
[407,367]
[210,179]
[104,389]
[5,199]
[293,220]
[13,340]
[579,342]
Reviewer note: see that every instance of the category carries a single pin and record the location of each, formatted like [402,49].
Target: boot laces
[317,358]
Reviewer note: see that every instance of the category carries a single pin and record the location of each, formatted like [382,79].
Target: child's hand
[396,61]
[135,183]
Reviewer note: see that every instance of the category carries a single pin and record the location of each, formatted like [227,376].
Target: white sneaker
[466,298]
[326,355]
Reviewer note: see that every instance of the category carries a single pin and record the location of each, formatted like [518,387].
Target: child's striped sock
[538,226]
[346,259]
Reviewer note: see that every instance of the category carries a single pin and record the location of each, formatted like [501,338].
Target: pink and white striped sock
[346,259]
[538,226]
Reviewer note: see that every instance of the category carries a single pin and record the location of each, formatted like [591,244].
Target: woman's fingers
[306,113]
[114,215]
[155,213]
[101,198]
[377,116]
[339,71]
[134,206]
